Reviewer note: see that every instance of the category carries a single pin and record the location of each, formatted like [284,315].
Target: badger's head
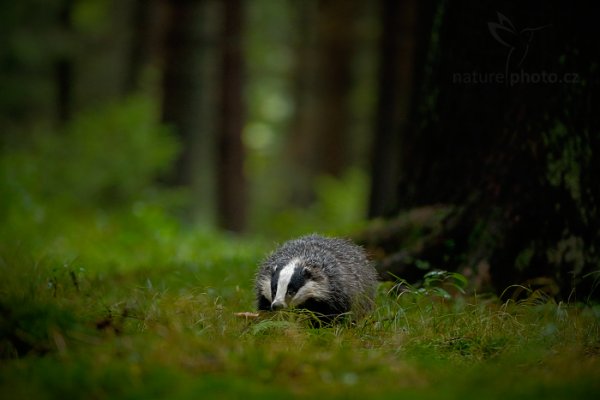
[293,284]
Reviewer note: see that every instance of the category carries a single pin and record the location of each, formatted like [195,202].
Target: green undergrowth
[74,327]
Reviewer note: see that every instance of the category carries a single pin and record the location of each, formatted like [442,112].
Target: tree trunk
[232,199]
[182,85]
[335,24]
[302,138]
[395,88]
[64,67]
[512,153]
[145,32]
[324,58]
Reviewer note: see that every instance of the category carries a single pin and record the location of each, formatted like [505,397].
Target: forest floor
[164,326]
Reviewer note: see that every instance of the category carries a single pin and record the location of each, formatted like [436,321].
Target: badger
[327,276]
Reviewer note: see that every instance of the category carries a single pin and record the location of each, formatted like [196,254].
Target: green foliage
[104,157]
[160,322]
[339,208]
[567,155]
[100,171]
[91,16]
[170,331]
[435,283]
[105,295]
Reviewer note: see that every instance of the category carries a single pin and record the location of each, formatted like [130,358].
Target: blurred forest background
[459,135]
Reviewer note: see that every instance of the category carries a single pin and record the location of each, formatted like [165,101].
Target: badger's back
[324,275]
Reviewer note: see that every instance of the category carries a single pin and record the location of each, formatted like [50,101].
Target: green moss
[131,305]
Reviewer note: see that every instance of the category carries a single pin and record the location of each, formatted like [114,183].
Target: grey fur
[345,279]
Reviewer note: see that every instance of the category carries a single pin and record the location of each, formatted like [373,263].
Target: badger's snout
[277,305]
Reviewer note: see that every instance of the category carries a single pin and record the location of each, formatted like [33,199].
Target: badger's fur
[327,276]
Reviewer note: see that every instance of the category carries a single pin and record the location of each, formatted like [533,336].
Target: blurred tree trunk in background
[182,81]
[335,33]
[231,183]
[324,59]
[146,31]
[64,64]
[303,129]
[515,160]
[397,62]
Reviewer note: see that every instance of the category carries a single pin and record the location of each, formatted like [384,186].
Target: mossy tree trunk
[506,133]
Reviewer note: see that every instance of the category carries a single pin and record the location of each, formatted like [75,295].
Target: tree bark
[302,139]
[513,158]
[318,144]
[335,24]
[231,182]
[145,32]
[182,82]
[64,67]
[399,22]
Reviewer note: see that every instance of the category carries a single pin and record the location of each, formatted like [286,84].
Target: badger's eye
[307,273]
[293,287]
[292,291]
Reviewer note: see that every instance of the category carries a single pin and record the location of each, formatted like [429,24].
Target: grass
[164,327]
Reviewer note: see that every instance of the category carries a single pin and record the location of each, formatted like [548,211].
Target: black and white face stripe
[292,284]
[285,284]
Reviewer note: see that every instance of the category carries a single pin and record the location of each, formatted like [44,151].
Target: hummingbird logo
[517,41]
